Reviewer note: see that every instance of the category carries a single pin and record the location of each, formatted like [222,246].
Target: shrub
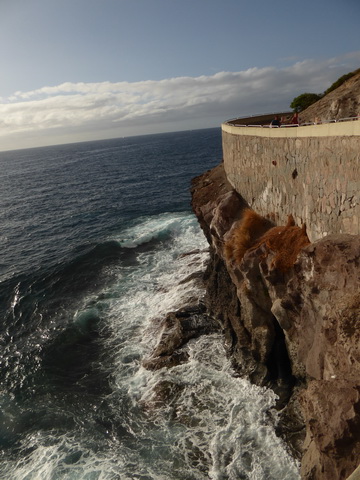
[253,230]
[245,233]
[304,101]
[285,243]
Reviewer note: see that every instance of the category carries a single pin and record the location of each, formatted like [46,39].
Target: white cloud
[81,111]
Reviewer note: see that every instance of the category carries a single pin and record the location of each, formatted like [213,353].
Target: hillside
[343,102]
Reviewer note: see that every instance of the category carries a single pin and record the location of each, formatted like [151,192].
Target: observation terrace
[311,171]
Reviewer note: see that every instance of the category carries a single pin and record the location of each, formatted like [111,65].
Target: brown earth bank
[289,311]
[343,102]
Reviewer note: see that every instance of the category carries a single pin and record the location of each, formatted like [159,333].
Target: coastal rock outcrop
[290,313]
[176,330]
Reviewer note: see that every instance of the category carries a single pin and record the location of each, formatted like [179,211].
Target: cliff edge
[289,310]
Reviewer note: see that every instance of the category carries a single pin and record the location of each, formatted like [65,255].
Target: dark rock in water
[175,331]
[290,312]
[164,393]
[291,425]
[192,276]
[168,361]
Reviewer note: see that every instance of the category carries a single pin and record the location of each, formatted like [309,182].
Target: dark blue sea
[91,260]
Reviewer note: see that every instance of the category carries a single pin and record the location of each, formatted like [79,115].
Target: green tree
[304,101]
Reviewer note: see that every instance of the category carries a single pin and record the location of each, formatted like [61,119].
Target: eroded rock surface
[290,313]
[175,331]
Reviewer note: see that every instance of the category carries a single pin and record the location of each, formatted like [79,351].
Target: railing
[288,125]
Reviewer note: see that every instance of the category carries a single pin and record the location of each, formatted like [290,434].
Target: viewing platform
[260,126]
[311,171]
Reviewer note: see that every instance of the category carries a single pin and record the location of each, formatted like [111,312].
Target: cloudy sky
[74,70]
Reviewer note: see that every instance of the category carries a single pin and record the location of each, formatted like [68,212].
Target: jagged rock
[168,361]
[323,307]
[290,311]
[207,191]
[175,331]
[164,393]
[332,444]
[323,304]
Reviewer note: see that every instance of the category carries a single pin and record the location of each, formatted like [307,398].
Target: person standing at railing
[295,119]
[275,122]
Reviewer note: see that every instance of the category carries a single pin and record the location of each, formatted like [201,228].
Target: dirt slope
[343,102]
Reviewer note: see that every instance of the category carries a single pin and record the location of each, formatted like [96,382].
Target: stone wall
[311,172]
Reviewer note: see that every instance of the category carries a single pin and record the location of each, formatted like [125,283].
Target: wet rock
[167,361]
[291,425]
[175,331]
[164,393]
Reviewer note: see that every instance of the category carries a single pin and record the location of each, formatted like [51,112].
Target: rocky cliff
[343,102]
[289,310]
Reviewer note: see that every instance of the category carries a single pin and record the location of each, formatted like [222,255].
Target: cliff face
[290,313]
[344,102]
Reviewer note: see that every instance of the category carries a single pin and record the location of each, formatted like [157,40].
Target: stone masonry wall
[294,171]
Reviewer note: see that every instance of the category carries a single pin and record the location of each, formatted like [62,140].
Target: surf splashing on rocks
[76,400]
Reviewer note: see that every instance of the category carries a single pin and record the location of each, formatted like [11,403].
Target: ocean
[93,237]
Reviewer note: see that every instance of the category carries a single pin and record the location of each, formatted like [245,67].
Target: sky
[78,70]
